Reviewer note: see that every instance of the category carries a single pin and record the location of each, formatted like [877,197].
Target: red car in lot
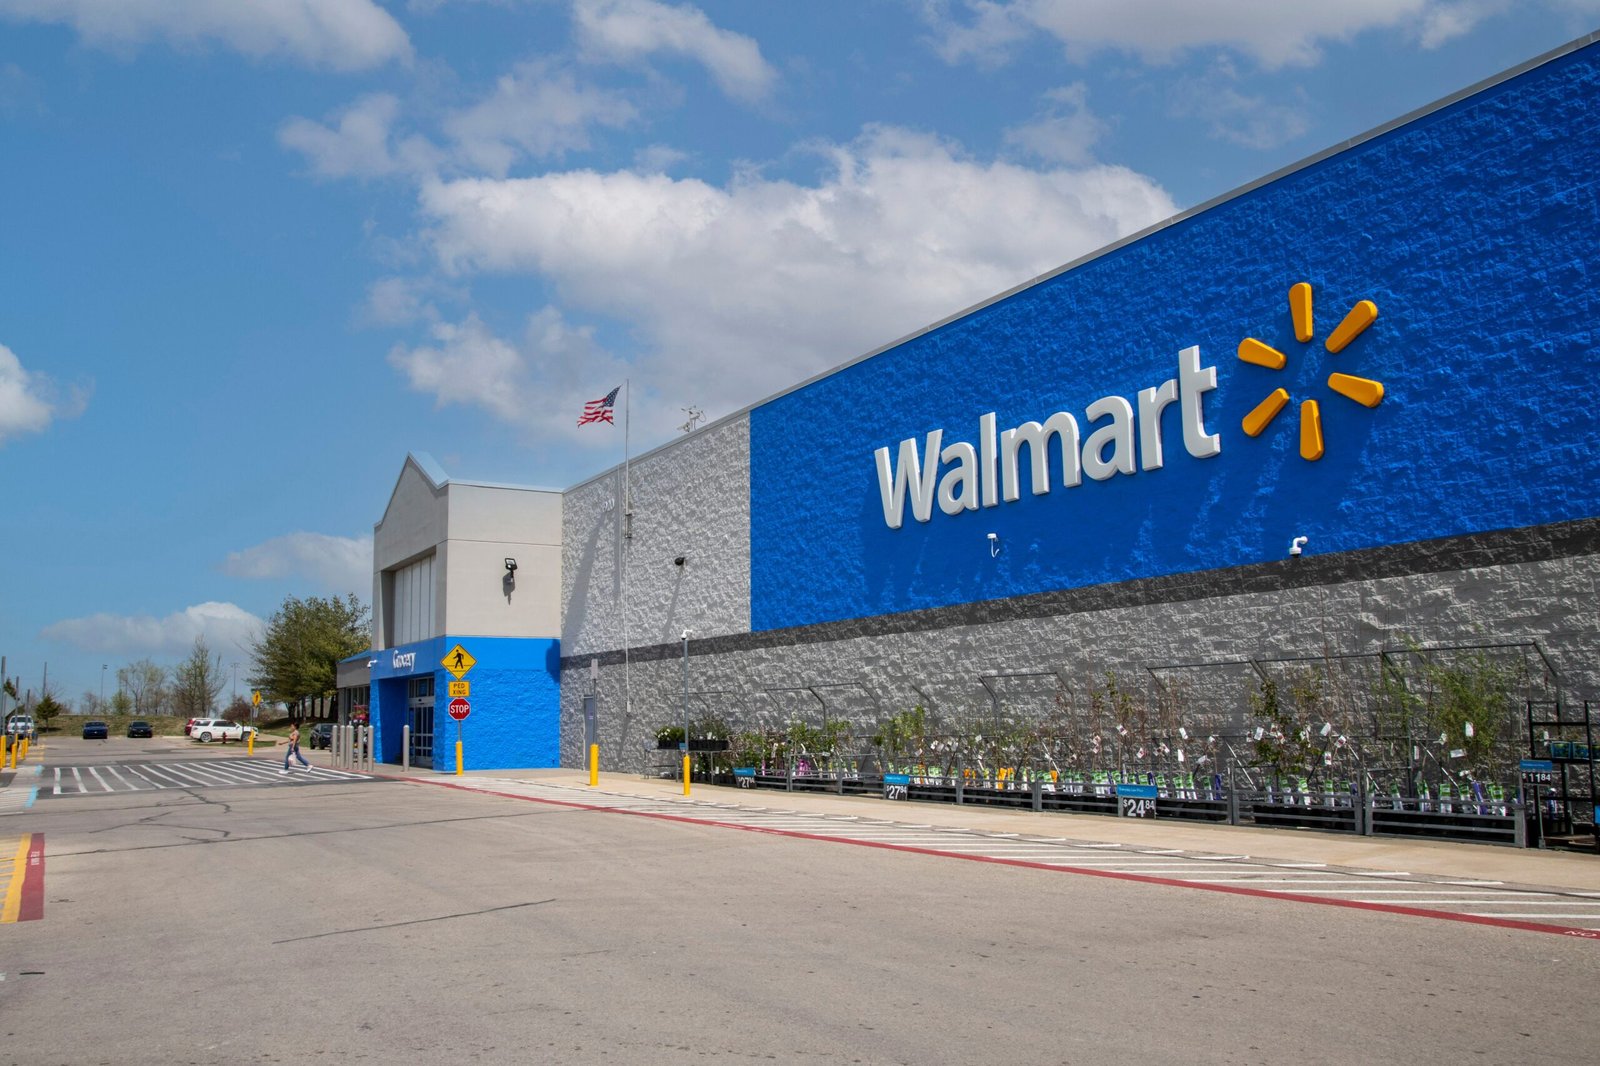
[188,726]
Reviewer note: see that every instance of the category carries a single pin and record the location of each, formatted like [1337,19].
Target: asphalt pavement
[525,916]
[1576,871]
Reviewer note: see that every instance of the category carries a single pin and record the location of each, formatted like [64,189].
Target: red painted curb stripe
[1147,879]
[32,907]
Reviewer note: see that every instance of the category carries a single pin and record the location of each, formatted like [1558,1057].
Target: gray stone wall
[691,500]
[1202,643]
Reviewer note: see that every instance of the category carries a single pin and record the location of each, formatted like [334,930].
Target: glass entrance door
[419,715]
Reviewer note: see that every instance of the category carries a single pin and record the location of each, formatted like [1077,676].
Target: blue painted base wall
[516,702]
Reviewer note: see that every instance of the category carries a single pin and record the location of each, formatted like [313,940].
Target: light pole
[102,688]
[235,682]
[686,712]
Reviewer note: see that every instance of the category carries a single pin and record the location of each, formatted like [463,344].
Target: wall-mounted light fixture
[679,561]
[1296,546]
[994,545]
[511,565]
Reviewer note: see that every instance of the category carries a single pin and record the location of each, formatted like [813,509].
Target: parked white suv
[21,725]
[206,730]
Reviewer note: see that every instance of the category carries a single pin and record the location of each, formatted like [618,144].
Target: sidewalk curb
[1569,871]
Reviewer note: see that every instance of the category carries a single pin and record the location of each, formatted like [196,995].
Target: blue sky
[251,254]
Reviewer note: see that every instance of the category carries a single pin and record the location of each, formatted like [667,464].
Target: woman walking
[294,749]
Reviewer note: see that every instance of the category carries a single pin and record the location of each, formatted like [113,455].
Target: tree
[238,710]
[45,709]
[120,704]
[198,681]
[297,656]
[90,703]
[146,685]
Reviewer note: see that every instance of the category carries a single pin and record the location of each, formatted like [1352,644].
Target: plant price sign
[1538,772]
[1136,801]
[896,786]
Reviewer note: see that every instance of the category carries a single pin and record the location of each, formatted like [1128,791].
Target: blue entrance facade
[514,691]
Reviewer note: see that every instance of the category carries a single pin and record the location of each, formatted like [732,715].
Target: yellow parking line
[19,872]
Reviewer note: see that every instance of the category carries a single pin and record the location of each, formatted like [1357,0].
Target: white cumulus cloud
[226,627]
[535,111]
[743,289]
[539,380]
[624,31]
[356,141]
[1063,131]
[1250,120]
[30,401]
[338,34]
[466,364]
[1274,33]
[334,564]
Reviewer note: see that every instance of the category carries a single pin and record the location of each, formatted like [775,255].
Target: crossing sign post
[459,708]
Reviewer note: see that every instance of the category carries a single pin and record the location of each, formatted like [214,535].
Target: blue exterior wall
[516,701]
[1472,228]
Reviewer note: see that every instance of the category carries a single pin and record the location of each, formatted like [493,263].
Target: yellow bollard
[594,765]
[458,758]
[685,773]
[11,750]
[24,748]
[252,748]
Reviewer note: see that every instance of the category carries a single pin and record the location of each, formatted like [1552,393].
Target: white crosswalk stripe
[1380,888]
[99,780]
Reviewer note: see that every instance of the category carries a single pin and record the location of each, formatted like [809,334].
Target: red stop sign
[459,708]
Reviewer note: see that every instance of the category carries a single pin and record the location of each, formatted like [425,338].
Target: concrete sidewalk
[1545,869]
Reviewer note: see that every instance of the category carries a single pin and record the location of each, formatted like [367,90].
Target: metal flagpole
[627,538]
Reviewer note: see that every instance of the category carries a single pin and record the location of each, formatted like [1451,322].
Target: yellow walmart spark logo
[1364,391]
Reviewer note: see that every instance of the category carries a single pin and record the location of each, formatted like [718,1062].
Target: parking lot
[519,920]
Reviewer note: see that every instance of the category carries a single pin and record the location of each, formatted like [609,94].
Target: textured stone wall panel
[691,499]
[1548,603]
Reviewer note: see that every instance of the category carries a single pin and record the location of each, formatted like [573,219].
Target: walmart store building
[1386,355]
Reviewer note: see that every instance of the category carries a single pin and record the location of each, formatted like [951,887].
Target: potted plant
[669,737]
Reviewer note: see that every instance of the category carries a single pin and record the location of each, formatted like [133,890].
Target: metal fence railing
[1420,741]
[1441,816]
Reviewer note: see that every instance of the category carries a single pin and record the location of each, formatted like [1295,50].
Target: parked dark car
[96,731]
[320,736]
[140,729]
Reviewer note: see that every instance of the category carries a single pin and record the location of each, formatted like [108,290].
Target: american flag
[600,410]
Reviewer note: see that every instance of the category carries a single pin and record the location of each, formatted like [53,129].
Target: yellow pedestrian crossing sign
[460,690]
[458,662]
[256,698]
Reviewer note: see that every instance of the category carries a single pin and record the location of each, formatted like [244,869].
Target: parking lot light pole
[686,712]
